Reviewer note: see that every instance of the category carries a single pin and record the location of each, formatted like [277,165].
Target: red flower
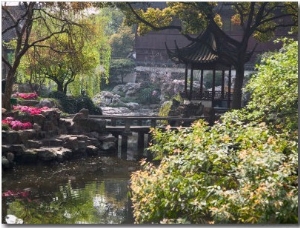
[26,96]
[29,110]
[16,124]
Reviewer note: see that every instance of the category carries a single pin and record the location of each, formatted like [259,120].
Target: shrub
[73,105]
[241,170]
[230,173]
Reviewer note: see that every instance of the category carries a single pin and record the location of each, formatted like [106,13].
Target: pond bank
[54,139]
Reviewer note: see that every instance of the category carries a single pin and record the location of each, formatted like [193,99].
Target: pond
[90,190]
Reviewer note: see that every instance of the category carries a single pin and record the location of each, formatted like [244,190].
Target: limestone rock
[5,163]
[132,105]
[108,146]
[70,142]
[38,119]
[85,112]
[52,142]
[29,156]
[33,144]
[92,150]
[17,149]
[11,137]
[27,134]
[46,103]
[63,154]
[10,157]
[46,153]
[89,124]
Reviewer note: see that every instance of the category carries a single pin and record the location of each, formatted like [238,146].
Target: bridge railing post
[127,126]
[113,121]
[153,122]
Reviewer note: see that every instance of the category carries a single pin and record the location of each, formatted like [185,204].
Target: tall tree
[257,19]
[20,26]
[67,56]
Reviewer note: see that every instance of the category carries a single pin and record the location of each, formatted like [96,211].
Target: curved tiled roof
[201,52]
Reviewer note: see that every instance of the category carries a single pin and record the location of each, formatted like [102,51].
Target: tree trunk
[60,87]
[10,79]
[238,85]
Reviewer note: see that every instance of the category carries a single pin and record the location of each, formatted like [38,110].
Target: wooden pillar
[213,88]
[153,122]
[223,84]
[201,84]
[185,80]
[124,145]
[191,83]
[127,126]
[125,134]
[116,135]
[229,89]
[141,143]
[113,121]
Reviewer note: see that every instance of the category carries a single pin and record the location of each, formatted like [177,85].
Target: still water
[91,190]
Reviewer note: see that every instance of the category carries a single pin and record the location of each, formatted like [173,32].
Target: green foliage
[166,106]
[121,66]
[146,95]
[241,170]
[259,18]
[231,173]
[208,79]
[81,54]
[274,88]
[57,95]
[122,42]
[73,105]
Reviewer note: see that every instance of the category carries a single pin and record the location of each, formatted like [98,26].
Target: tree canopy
[71,57]
[20,25]
[256,19]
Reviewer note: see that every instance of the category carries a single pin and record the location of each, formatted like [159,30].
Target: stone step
[52,142]
[46,154]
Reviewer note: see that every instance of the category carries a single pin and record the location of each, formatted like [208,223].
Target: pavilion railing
[207,95]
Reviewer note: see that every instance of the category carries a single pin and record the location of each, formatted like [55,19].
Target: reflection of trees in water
[104,202]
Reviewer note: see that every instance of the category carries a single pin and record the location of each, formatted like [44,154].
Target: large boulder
[46,153]
[88,125]
[46,102]
[11,137]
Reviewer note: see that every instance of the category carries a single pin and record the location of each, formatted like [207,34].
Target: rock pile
[55,139]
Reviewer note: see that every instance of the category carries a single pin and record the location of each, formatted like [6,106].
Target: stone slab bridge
[123,126]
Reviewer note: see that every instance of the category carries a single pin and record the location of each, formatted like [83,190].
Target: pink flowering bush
[16,124]
[26,96]
[29,110]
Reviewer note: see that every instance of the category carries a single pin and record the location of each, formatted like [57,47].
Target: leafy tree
[122,42]
[63,58]
[241,170]
[256,19]
[21,25]
[121,35]
[274,88]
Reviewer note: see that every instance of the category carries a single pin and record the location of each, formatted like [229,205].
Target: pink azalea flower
[29,110]
[16,124]
[26,96]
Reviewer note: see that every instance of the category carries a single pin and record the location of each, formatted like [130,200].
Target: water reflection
[84,191]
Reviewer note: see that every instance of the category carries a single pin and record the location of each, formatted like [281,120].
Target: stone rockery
[54,139]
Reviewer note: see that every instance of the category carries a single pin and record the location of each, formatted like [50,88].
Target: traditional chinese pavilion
[204,54]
